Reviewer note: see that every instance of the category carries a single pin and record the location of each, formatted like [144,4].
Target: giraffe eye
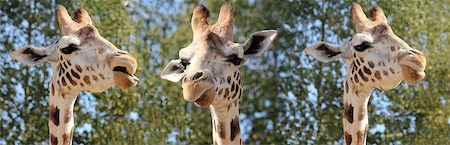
[363,46]
[69,49]
[185,62]
[234,59]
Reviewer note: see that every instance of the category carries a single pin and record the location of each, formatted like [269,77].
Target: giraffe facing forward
[375,59]
[209,69]
[81,60]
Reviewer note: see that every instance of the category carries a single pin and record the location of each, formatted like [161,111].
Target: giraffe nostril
[121,52]
[415,51]
[197,75]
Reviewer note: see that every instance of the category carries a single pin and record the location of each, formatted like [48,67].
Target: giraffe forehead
[67,40]
[362,37]
[213,50]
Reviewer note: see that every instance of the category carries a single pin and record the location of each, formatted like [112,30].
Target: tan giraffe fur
[209,68]
[81,60]
[375,59]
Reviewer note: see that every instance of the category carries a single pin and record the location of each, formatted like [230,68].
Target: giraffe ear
[324,52]
[29,55]
[174,71]
[258,43]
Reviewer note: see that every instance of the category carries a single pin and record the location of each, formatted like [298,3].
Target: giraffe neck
[355,120]
[225,121]
[61,124]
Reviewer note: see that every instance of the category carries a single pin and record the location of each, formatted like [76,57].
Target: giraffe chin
[124,80]
[205,99]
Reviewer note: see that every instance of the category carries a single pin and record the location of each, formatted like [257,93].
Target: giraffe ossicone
[375,59]
[81,60]
[209,69]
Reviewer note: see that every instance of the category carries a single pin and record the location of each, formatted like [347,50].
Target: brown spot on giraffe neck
[87,80]
[221,130]
[69,77]
[101,76]
[52,91]
[95,78]
[353,67]
[74,74]
[236,93]
[54,114]
[53,139]
[78,67]
[367,71]
[348,138]
[361,136]
[240,93]
[232,87]
[362,76]
[391,69]
[346,87]
[361,113]
[377,75]
[371,64]
[348,112]
[67,137]
[357,62]
[385,73]
[226,92]
[64,83]
[59,69]
[356,79]
[67,115]
[220,91]
[65,65]
[235,128]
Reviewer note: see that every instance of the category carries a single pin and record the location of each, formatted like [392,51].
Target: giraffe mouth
[413,67]
[123,79]
[411,74]
[205,99]
[121,69]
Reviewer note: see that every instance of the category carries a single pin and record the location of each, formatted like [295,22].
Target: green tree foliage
[289,98]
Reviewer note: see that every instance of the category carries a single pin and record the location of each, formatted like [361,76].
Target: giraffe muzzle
[124,66]
[413,66]
[198,91]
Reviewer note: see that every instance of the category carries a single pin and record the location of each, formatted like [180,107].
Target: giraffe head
[209,66]
[375,56]
[82,59]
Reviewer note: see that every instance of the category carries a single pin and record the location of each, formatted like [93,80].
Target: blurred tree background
[289,98]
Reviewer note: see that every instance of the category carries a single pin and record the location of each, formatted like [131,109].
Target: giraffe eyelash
[69,49]
[185,62]
[363,46]
[234,59]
